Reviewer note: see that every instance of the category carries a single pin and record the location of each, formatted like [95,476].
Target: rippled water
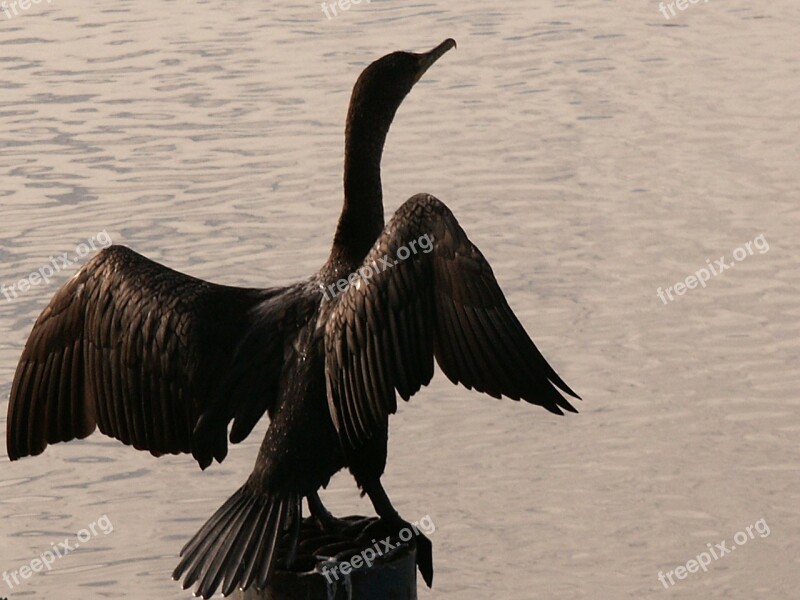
[595,151]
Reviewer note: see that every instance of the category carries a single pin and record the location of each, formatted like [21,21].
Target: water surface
[594,151]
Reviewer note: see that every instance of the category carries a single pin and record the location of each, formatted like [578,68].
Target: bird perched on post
[165,362]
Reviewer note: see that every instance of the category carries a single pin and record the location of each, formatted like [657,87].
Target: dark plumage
[164,362]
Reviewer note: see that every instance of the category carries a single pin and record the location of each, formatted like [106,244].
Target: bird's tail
[238,545]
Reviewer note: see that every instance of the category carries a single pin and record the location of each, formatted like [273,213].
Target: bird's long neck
[361,221]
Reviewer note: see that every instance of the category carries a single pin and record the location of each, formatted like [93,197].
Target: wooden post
[333,566]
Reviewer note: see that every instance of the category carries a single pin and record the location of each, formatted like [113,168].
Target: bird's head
[382,85]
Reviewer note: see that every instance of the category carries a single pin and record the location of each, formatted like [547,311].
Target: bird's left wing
[145,353]
[428,292]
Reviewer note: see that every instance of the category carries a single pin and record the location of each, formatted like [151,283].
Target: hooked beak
[428,58]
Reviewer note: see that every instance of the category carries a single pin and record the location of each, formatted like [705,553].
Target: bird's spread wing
[140,351]
[430,293]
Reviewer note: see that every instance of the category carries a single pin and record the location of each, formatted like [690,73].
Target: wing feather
[444,303]
[141,351]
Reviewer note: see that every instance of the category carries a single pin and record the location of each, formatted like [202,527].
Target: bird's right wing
[422,300]
[142,352]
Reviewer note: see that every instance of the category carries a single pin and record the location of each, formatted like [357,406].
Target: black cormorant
[164,362]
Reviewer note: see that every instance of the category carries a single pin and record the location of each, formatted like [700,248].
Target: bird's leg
[294,537]
[383,506]
[326,520]
[381,503]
